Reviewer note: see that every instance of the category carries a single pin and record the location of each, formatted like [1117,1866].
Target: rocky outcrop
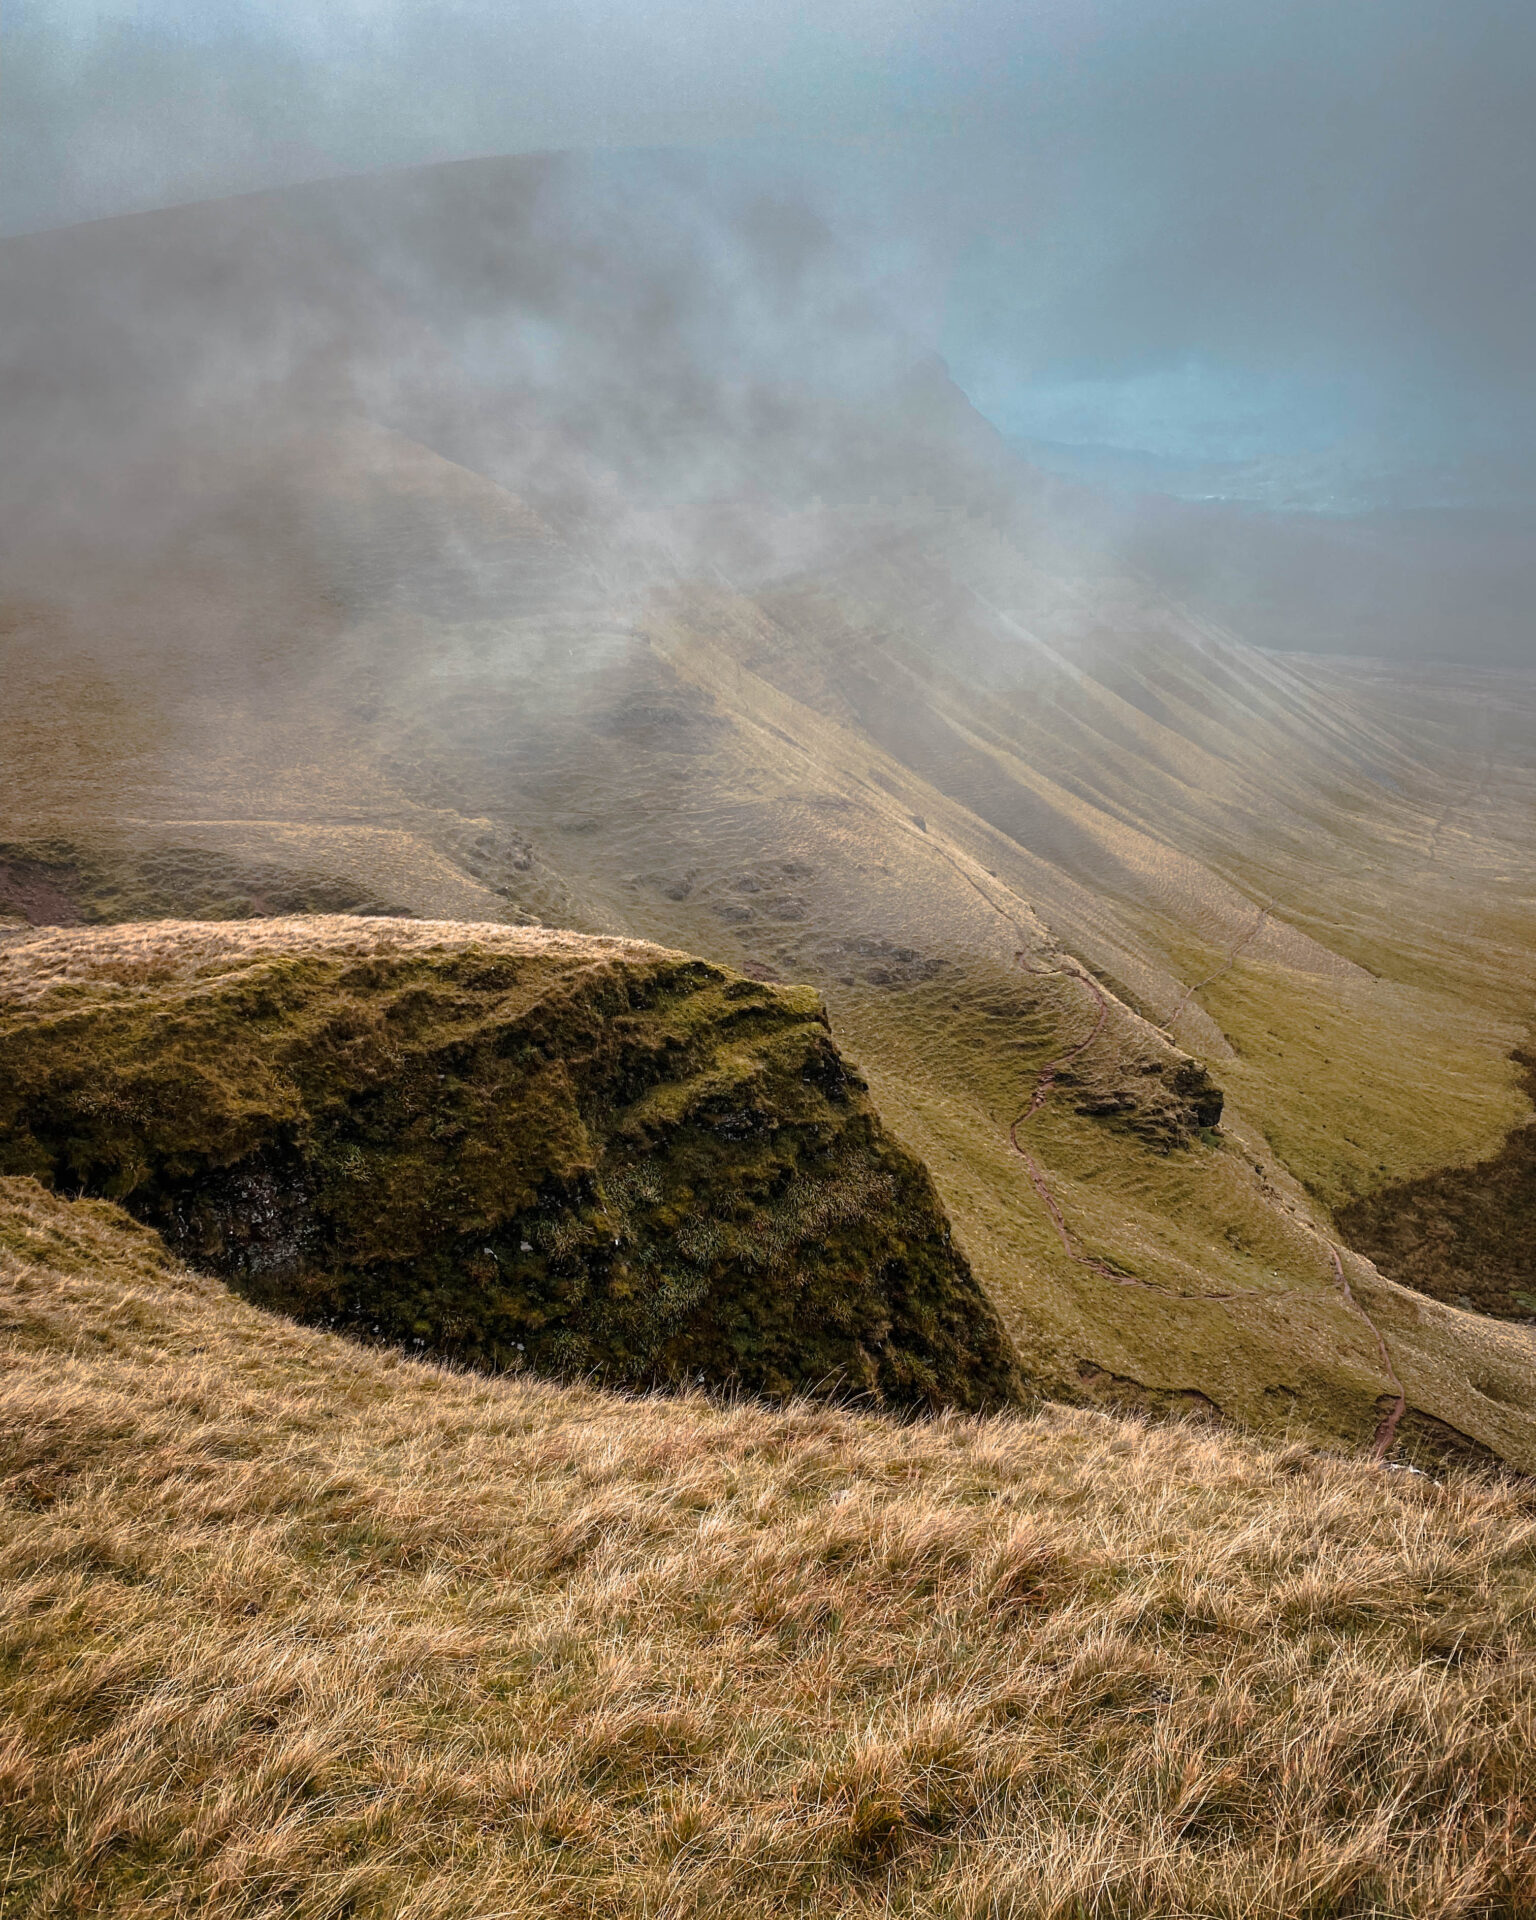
[1165,1101]
[510,1146]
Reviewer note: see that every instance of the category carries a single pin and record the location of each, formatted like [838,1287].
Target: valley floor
[294,1627]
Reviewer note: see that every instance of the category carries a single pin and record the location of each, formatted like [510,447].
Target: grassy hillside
[296,1627]
[513,1147]
[639,640]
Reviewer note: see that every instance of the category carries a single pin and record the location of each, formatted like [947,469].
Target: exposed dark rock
[1120,1393]
[55,883]
[869,960]
[1167,1102]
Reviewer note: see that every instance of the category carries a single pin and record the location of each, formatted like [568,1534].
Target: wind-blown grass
[294,1627]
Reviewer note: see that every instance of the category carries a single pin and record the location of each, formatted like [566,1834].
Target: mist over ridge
[767,884]
[587,539]
[1287,238]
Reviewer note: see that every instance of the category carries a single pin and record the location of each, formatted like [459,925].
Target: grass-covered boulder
[503,1144]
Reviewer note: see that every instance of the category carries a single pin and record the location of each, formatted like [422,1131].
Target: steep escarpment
[501,1144]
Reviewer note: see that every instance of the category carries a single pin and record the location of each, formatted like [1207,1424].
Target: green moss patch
[565,1155]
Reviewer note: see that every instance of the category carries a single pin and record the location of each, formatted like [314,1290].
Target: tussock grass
[293,1627]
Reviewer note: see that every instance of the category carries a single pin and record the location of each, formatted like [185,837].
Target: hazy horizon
[1277,254]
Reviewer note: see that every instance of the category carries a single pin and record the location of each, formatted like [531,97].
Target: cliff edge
[506,1145]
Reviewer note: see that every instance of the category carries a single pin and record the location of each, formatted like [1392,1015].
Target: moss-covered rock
[501,1144]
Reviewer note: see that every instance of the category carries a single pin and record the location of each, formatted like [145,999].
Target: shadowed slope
[1466,1234]
[516,1147]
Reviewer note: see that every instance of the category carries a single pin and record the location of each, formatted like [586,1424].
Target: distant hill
[538,541]
[1452,586]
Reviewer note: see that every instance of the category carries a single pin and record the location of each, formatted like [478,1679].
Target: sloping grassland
[294,1627]
[822,688]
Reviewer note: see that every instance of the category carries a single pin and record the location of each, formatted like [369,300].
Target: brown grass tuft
[292,1628]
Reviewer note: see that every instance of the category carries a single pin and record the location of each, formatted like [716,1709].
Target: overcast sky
[1206,228]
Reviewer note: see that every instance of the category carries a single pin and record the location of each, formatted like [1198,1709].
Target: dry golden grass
[297,1628]
[37,962]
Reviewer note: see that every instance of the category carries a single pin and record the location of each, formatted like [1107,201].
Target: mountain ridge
[862,705]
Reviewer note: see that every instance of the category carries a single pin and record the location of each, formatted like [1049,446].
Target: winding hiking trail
[1386,1433]
[1476,788]
[1221,972]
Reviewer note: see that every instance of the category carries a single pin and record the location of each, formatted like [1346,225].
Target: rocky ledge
[509,1146]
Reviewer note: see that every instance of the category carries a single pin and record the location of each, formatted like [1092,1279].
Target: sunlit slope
[1061,697]
[1329,820]
[882,723]
[299,1626]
